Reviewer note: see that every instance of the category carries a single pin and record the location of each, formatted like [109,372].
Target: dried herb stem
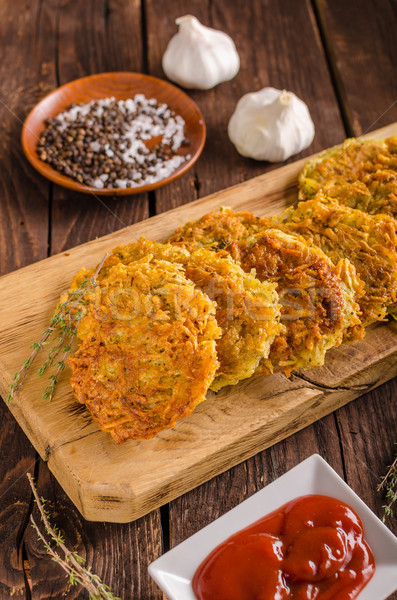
[64,325]
[71,562]
[389,484]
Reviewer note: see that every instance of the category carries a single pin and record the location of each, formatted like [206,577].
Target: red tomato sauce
[309,549]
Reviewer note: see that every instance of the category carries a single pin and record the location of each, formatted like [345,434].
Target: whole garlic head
[270,125]
[200,57]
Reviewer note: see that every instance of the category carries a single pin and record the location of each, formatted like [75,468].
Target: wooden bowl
[121,86]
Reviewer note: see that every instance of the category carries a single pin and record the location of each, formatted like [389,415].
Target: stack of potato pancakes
[232,294]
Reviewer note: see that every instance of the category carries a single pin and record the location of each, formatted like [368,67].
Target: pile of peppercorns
[111,143]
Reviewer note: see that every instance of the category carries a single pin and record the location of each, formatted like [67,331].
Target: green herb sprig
[389,484]
[63,325]
[71,562]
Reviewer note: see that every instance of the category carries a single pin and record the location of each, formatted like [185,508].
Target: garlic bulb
[270,125]
[200,57]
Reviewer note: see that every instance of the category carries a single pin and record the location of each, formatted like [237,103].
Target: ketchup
[310,549]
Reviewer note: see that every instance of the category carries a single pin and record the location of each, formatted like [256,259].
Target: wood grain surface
[361,49]
[23,239]
[340,58]
[121,483]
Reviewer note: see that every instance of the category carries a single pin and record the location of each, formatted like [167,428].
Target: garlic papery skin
[270,125]
[200,57]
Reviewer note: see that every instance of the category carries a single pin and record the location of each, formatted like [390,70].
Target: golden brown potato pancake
[318,307]
[218,229]
[247,310]
[368,241]
[149,348]
[318,299]
[361,174]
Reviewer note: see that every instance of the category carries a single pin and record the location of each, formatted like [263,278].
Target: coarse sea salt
[115,143]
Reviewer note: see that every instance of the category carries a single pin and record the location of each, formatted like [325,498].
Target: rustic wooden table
[340,57]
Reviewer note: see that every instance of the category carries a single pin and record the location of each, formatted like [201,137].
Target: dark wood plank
[257,29]
[201,506]
[94,37]
[360,39]
[16,458]
[272,62]
[276,42]
[119,554]
[77,218]
[278,47]
[91,37]
[369,443]
[362,50]
[367,429]
[25,75]
[23,193]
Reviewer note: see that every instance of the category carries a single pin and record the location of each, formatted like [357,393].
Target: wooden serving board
[115,483]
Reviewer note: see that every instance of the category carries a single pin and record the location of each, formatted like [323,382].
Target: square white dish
[173,572]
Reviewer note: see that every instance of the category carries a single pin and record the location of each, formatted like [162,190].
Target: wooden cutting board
[115,483]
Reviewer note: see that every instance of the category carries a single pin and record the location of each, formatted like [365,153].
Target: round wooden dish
[121,86]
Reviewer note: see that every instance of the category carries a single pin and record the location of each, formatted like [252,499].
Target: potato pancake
[149,348]
[318,307]
[359,173]
[301,277]
[247,310]
[217,229]
[368,241]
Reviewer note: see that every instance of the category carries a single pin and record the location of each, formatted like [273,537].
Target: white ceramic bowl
[173,572]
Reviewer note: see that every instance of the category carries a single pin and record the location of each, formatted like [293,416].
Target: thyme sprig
[389,484]
[71,562]
[63,325]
